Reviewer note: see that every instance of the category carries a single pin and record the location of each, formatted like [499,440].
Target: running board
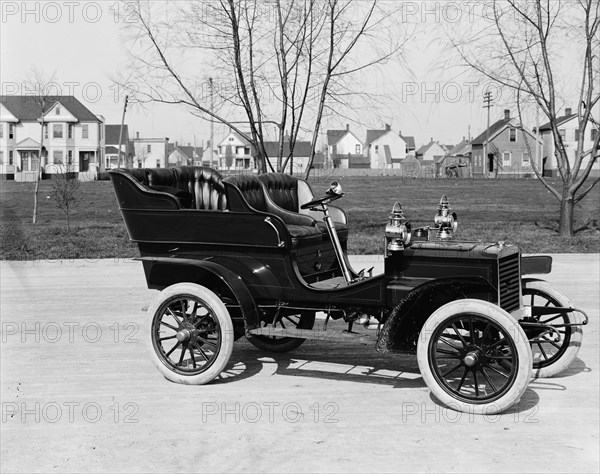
[316,334]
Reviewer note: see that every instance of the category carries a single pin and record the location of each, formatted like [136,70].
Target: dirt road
[79,393]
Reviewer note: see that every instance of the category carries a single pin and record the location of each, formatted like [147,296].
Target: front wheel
[552,352]
[190,334]
[474,357]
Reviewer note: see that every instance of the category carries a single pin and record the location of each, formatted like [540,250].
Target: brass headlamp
[398,230]
[445,222]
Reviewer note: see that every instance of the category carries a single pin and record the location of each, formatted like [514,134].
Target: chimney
[431,139]
[137,135]
[568,111]
[347,126]
[387,127]
[506,114]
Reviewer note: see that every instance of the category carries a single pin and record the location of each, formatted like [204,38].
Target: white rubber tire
[564,361]
[218,312]
[507,324]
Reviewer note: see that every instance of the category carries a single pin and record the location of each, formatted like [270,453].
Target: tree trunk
[567,206]
[39,170]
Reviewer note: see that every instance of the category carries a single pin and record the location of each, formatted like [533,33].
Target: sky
[81,42]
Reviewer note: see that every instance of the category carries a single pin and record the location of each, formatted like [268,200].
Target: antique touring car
[259,256]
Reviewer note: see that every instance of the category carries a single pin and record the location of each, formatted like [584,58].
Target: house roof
[26,109]
[359,160]
[410,141]
[334,136]
[301,148]
[112,133]
[27,144]
[236,135]
[493,130]
[423,149]
[460,148]
[559,121]
[111,150]
[373,135]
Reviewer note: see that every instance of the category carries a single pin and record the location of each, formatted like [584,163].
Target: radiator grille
[509,282]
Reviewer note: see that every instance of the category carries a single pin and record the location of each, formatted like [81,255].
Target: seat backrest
[204,184]
[251,189]
[283,190]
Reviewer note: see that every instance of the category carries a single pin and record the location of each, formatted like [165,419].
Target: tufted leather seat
[289,193]
[303,229]
[203,186]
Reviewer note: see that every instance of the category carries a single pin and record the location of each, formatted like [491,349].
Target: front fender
[165,271]
[401,329]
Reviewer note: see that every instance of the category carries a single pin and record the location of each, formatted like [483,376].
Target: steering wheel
[334,192]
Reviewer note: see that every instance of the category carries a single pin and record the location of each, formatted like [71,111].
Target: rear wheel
[190,334]
[474,357]
[303,320]
[553,352]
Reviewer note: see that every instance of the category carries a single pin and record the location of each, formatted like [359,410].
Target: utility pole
[537,138]
[121,134]
[212,121]
[487,104]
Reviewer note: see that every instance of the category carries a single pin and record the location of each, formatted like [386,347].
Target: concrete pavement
[79,393]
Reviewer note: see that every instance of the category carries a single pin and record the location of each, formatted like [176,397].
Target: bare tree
[39,85]
[519,47]
[279,63]
[65,187]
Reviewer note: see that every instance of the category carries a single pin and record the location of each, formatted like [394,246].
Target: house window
[84,131]
[576,134]
[11,131]
[149,148]
[506,158]
[593,134]
[376,148]
[512,134]
[45,130]
[57,130]
[1,157]
[157,162]
[70,131]
[100,128]
[230,139]
[58,157]
[563,133]
[357,149]
[247,150]
[526,158]
[10,157]
[70,157]
[1,130]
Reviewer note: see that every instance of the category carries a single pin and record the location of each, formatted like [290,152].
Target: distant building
[181,155]
[343,148]
[510,149]
[298,162]
[384,148]
[150,152]
[72,136]
[457,162]
[111,147]
[568,127]
[429,156]
[235,153]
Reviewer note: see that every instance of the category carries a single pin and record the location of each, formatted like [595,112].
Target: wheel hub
[183,335]
[471,358]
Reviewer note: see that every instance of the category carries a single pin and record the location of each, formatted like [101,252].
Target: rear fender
[163,272]
[401,329]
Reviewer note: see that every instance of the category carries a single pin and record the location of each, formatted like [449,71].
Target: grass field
[489,210]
